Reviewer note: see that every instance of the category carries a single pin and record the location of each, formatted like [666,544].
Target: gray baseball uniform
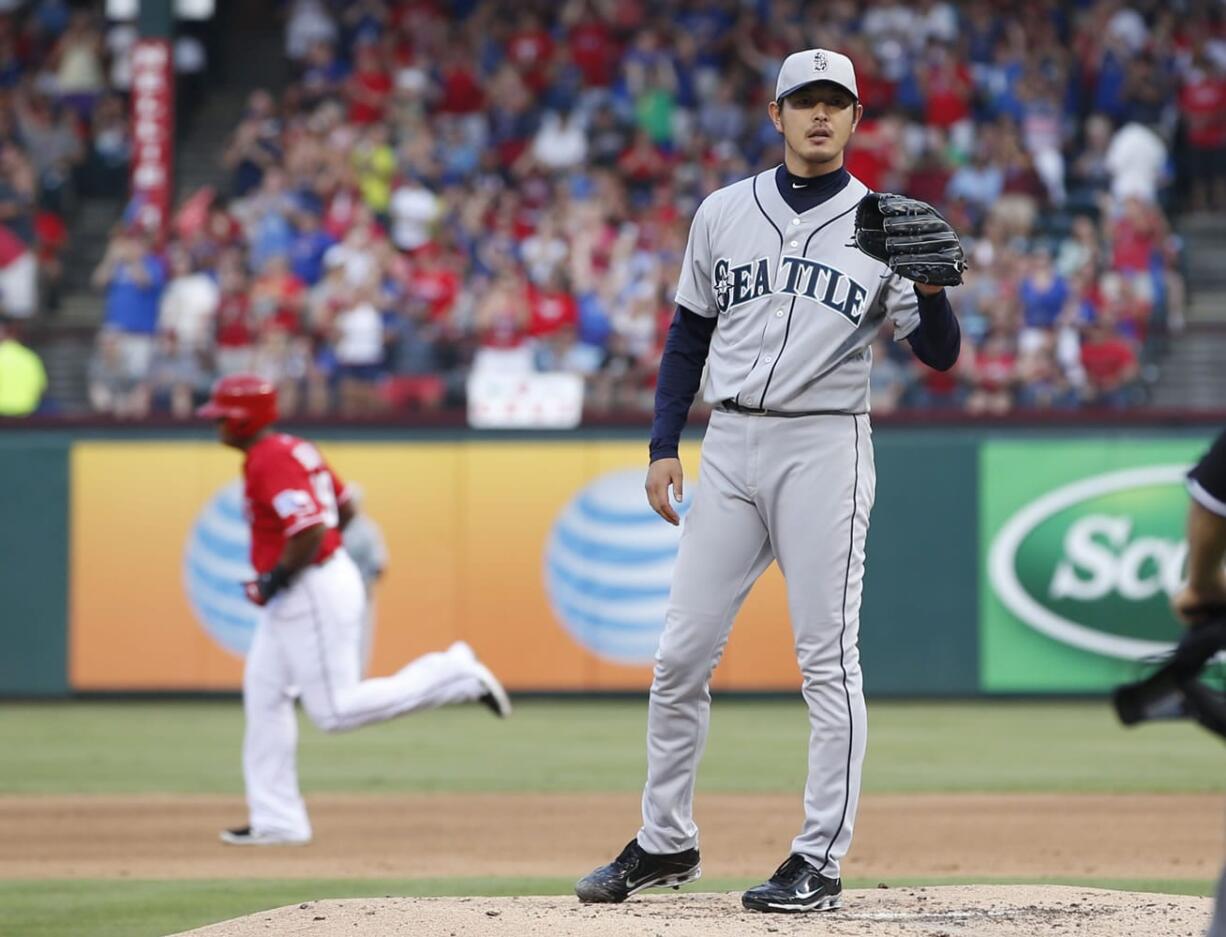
[365,546]
[1217,927]
[797,309]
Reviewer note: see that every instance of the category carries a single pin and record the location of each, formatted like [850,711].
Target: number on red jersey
[321,481]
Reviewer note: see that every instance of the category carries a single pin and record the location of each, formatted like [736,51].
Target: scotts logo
[1094,564]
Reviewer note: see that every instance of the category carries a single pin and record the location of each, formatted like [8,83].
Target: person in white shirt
[188,305]
[309,23]
[358,336]
[1136,159]
[561,142]
[414,210]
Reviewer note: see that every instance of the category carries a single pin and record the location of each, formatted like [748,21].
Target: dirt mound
[967,911]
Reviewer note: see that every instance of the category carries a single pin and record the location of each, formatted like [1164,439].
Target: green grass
[113,908]
[757,746]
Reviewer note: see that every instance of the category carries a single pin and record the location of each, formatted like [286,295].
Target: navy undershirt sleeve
[937,340]
[685,353]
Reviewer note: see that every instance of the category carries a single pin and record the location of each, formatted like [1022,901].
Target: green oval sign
[1095,563]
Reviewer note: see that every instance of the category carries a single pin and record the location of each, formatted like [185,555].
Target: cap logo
[819,61]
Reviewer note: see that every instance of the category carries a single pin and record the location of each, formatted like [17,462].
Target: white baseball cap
[804,68]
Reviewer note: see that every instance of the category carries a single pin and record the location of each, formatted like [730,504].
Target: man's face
[226,437]
[817,121]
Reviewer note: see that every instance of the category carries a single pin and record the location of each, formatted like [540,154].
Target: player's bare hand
[1193,602]
[662,475]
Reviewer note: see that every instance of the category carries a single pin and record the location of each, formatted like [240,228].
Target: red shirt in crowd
[280,297]
[462,93]
[341,213]
[438,286]
[234,329]
[1203,103]
[947,95]
[530,51]
[593,50]
[868,159]
[1107,360]
[875,90]
[994,370]
[11,246]
[369,90]
[289,489]
[1132,245]
[50,235]
[551,310]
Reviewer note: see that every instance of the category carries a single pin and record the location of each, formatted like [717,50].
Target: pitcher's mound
[945,911]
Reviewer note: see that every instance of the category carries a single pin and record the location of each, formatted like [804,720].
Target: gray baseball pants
[796,490]
[1217,927]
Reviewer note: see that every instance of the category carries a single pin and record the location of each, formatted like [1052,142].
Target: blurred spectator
[23,379]
[993,374]
[369,87]
[1110,365]
[133,279]
[1043,382]
[414,211]
[561,142]
[18,276]
[887,380]
[1136,159]
[116,388]
[1202,102]
[18,192]
[1043,293]
[255,146]
[51,238]
[188,304]
[359,341]
[105,168]
[309,23]
[176,376]
[76,63]
[54,148]
[236,331]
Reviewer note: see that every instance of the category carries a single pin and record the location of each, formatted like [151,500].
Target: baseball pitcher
[787,278]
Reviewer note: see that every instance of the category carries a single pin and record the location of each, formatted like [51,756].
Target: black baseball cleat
[795,886]
[636,869]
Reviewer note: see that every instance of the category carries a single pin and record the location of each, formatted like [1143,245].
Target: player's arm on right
[1206,586]
[685,353]
[925,320]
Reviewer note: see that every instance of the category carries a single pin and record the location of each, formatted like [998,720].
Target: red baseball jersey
[289,487]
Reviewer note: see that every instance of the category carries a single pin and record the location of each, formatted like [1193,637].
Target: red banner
[153,88]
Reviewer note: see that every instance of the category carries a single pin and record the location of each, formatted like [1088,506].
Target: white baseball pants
[310,639]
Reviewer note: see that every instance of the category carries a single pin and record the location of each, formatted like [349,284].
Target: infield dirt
[969,836]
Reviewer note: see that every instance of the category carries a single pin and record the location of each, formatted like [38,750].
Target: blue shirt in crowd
[130,306]
[306,255]
[1042,307]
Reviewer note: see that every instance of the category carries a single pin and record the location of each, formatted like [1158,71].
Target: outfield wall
[1019,561]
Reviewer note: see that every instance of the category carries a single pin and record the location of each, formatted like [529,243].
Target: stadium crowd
[62,133]
[447,187]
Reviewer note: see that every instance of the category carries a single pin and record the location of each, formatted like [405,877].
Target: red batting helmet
[245,402]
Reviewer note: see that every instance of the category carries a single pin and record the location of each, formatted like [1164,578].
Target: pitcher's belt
[731,406]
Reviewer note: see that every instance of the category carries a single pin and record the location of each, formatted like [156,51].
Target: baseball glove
[910,237]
